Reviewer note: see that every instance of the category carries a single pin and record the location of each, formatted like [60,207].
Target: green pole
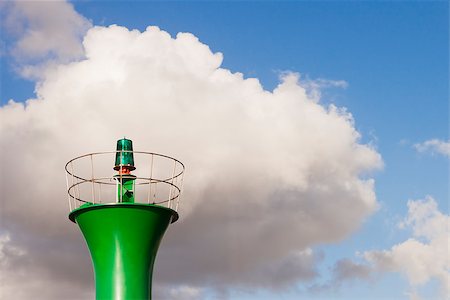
[123,239]
[125,188]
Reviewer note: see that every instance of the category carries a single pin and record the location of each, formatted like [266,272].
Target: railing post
[92,178]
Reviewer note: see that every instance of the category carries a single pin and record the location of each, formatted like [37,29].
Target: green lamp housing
[124,155]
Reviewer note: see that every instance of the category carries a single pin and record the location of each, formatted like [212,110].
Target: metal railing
[158,179]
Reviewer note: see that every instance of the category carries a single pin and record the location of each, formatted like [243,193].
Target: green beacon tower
[123,201]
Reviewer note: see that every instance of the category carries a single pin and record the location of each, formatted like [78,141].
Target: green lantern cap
[123,157]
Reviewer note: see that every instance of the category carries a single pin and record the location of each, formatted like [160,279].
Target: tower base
[123,239]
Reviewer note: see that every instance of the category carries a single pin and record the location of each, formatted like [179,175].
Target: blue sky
[394,57]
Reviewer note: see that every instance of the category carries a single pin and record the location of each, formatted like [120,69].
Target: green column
[123,240]
[125,188]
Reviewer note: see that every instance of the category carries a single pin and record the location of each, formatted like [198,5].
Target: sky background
[385,62]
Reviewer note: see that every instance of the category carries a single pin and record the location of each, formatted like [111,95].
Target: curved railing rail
[158,179]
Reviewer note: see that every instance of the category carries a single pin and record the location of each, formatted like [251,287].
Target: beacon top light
[123,201]
[155,179]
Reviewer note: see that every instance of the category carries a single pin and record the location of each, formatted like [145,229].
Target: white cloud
[270,174]
[425,255]
[346,269]
[31,258]
[7,251]
[185,292]
[434,146]
[43,34]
